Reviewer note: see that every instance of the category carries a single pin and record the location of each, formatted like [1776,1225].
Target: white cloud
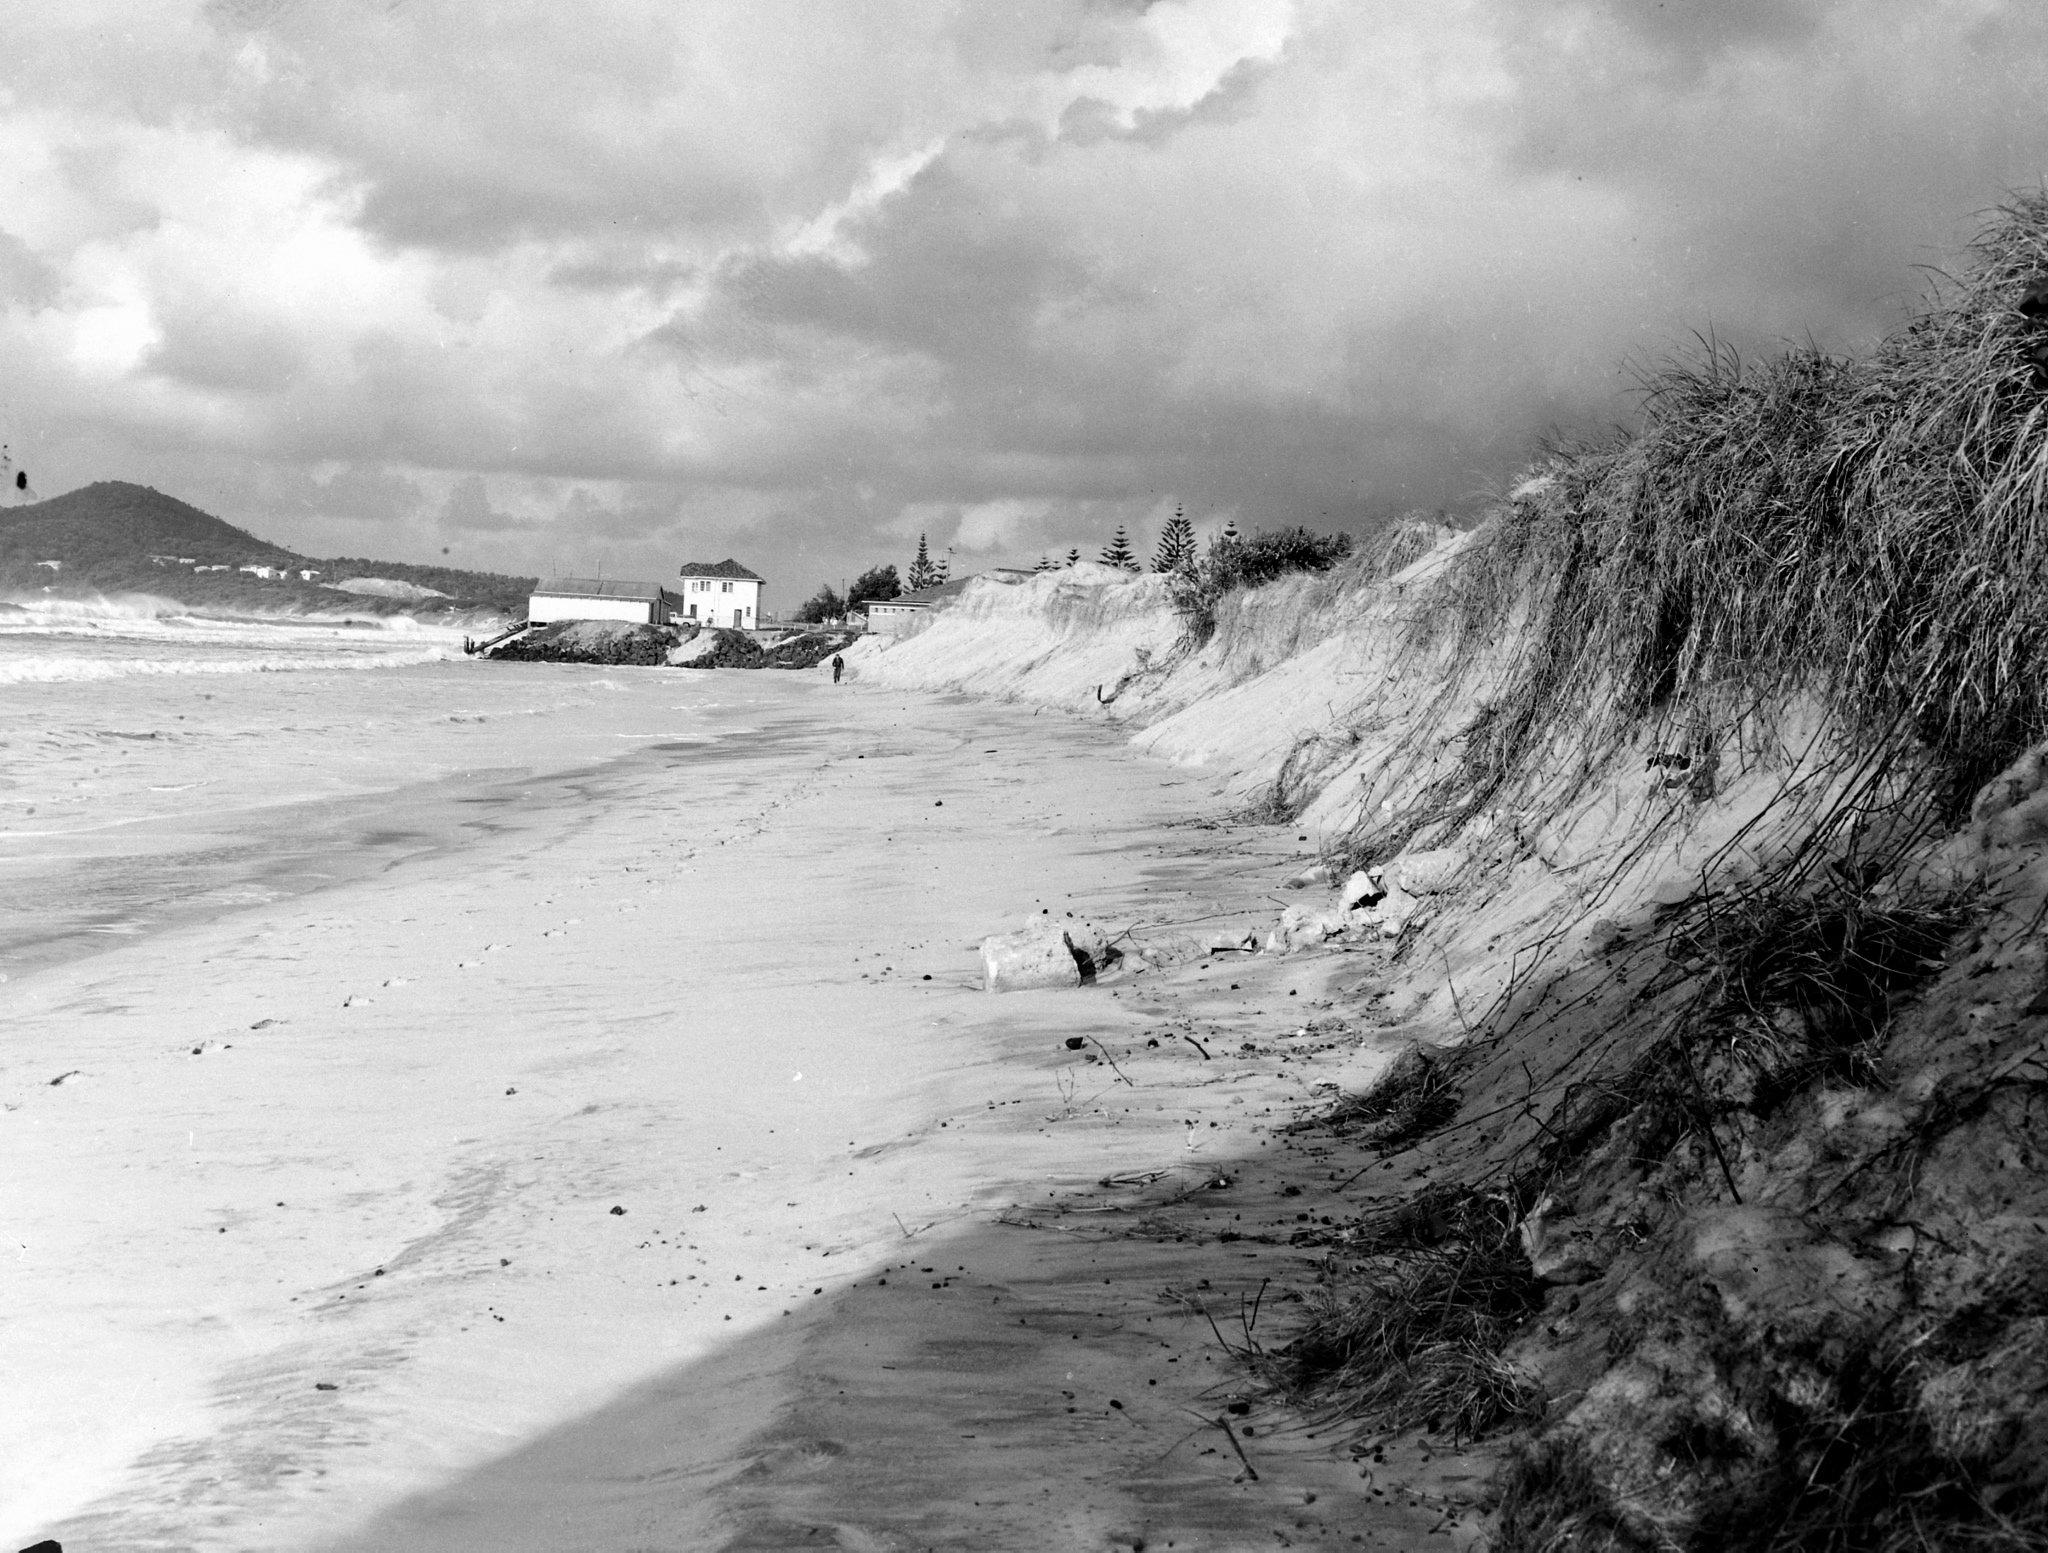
[784,275]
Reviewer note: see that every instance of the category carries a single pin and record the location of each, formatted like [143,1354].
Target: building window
[725,587]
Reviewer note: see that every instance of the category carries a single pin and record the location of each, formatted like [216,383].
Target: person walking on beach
[838,667]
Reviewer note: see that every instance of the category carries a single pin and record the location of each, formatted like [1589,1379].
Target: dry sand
[316,1241]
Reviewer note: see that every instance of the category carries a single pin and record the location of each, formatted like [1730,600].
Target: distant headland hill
[113,537]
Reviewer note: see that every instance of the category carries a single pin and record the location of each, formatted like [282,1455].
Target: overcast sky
[607,284]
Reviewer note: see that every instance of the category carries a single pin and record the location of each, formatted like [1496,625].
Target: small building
[909,613]
[592,598]
[720,593]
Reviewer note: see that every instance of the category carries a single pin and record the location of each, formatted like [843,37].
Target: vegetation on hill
[113,537]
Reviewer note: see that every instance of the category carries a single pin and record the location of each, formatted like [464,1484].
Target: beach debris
[1037,956]
[69,1073]
[1362,891]
[47,1545]
[1559,1250]
[1076,1042]
[1315,873]
[325,1385]
[617,1211]
[1431,871]
[1303,927]
[1250,1471]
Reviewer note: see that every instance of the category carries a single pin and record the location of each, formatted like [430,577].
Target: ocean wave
[52,669]
[114,612]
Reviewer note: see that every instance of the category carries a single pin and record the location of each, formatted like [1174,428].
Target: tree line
[1232,560]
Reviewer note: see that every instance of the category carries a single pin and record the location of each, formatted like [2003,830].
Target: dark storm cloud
[806,280]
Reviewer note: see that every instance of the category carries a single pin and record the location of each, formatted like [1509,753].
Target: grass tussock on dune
[1742,1270]
[1870,531]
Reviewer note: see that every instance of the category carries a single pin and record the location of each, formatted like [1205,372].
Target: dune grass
[1410,1335]
[1863,535]
[1870,532]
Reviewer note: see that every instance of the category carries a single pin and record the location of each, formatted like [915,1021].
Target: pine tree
[1176,544]
[922,573]
[1117,552]
[941,568]
[1043,565]
[1074,556]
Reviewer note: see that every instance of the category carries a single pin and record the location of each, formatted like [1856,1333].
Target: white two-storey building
[720,593]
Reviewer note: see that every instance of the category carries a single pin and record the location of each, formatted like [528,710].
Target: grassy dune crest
[1869,531]
[1758,1158]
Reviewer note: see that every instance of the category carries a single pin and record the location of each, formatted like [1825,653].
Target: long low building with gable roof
[595,598]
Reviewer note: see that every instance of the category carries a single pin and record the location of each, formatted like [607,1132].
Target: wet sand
[317,1234]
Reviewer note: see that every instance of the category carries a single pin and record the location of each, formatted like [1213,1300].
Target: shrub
[822,605]
[877,582]
[1233,562]
[1272,554]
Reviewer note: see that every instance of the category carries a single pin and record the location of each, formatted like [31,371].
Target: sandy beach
[535,1186]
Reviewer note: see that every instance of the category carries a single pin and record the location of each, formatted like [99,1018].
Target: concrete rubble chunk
[1431,872]
[1303,927]
[1370,898]
[1362,891]
[1092,947]
[1035,956]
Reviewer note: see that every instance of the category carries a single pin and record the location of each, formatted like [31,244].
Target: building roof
[725,568]
[925,598]
[597,588]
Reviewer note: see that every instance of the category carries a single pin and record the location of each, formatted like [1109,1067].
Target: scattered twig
[1198,1046]
[1119,1072]
[1230,1434]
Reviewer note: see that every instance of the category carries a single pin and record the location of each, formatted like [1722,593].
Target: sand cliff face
[1731,1029]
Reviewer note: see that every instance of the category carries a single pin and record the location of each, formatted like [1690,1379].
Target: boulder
[1036,956]
[702,646]
[1427,873]
[1303,927]
[1371,899]
[1362,891]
